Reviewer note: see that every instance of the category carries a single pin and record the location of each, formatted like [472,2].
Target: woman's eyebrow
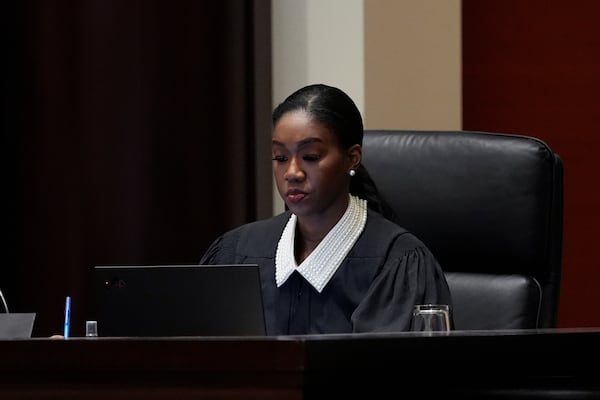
[301,143]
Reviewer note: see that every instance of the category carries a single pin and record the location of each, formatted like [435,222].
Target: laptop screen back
[179,300]
[16,325]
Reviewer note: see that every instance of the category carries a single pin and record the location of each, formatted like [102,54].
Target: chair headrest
[496,197]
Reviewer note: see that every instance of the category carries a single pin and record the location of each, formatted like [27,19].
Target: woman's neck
[310,231]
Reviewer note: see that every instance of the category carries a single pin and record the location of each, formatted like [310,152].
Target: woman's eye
[311,157]
[279,158]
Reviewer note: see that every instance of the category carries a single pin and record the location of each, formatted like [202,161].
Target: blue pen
[67,317]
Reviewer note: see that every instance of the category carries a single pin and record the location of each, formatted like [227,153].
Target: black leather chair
[490,207]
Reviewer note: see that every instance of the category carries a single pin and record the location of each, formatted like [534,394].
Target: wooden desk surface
[472,364]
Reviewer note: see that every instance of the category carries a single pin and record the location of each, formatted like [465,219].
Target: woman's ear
[355,156]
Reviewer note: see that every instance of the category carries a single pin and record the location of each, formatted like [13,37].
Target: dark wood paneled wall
[129,136]
[533,67]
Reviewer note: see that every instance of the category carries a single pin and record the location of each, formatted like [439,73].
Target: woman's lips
[295,196]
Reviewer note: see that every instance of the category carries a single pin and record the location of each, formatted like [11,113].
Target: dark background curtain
[133,132]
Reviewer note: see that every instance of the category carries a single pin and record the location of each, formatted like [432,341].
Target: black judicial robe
[386,272]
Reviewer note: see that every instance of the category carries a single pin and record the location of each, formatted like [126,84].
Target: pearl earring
[352,172]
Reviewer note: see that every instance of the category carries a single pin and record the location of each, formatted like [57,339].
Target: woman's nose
[294,170]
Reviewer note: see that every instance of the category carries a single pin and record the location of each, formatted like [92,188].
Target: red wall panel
[533,67]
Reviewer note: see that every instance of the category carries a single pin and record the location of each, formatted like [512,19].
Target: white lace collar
[321,264]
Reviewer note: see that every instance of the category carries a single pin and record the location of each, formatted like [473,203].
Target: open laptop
[179,300]
[16,325]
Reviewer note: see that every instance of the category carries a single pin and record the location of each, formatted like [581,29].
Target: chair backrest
[490,207]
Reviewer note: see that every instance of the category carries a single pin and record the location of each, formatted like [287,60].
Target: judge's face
[310,169]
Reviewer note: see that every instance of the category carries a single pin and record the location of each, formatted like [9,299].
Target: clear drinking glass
[91,328]
[431,318]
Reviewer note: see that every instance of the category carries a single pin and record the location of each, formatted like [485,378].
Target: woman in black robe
[333,262]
